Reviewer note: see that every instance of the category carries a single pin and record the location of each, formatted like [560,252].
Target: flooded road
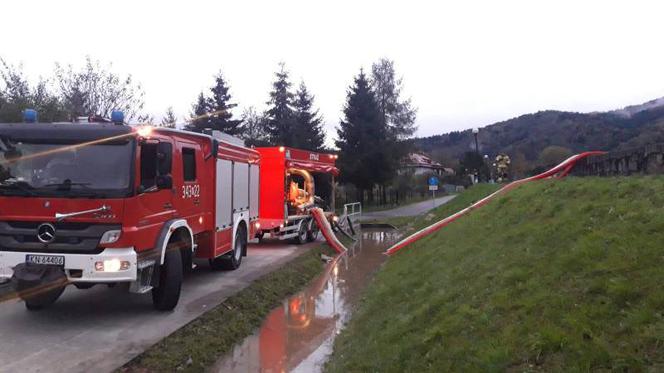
[298,335]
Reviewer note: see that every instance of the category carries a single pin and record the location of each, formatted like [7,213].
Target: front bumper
[82,266]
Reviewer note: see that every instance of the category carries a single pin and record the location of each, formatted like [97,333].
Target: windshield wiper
[66,185]
[22,186]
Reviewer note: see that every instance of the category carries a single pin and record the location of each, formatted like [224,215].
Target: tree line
[371,135]
[289,120]
[69,93]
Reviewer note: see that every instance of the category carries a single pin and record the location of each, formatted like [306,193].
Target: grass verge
[559,275]
[197,345]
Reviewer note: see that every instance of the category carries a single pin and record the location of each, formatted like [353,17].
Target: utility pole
[477,145]
[477,151]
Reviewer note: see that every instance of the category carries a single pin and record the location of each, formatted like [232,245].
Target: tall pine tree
[199,115]
[214,111]
[219,105]
[363,139]
[308,122]
[169,119]
[280,116]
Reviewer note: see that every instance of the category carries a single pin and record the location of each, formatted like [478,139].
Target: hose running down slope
[326,229]
[559,171]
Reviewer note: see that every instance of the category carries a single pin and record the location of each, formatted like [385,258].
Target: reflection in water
[298,335]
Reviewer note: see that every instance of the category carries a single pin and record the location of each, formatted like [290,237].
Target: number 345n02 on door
[191,191]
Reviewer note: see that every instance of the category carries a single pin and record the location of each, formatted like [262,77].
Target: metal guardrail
[352,209]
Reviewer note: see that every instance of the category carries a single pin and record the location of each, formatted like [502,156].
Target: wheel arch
[176,228]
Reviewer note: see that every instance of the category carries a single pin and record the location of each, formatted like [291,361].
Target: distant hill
[526,136]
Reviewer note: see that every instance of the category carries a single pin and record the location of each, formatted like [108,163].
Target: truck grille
[70,238]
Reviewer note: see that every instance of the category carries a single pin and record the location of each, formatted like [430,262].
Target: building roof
[419,160]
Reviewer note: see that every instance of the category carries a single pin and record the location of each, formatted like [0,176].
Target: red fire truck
[292,182]
[107,203]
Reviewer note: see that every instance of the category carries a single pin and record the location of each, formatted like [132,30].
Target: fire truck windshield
[37,168]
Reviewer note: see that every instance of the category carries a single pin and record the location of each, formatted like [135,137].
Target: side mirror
[164,158]
[164,182]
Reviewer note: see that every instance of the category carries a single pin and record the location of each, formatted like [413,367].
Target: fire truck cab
[292,182]
[107,203]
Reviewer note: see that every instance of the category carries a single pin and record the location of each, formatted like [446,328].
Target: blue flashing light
[30,116]
[117,117]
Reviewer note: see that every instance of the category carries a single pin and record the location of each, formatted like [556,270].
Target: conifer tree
[214,111]
[309,132]
[169,119]
[363,139]
[199,115]
[219,105]
[280,116]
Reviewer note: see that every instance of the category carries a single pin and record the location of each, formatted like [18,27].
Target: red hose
[562,170]
[326,229]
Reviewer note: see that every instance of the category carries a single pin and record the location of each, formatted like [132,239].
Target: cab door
[190,198]
[154,196]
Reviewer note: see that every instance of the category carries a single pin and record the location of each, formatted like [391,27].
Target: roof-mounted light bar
[30,116]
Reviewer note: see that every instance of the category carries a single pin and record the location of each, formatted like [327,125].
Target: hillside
[526,136]
[554,276]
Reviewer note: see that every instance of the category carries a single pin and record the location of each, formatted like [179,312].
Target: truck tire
[233,260]
[42,300]
[166,296]
[302,233]
[312,234]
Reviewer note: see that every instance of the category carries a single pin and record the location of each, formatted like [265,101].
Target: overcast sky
[464,63]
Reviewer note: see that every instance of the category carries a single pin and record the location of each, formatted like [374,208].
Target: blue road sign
[433,180]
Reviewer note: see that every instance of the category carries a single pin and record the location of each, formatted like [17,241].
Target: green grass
[197,345]
[554,276]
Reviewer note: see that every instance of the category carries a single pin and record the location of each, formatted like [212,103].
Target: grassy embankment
[553,276]
[200,343]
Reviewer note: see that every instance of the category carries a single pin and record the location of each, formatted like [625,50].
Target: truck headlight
[112,265]
[110,236]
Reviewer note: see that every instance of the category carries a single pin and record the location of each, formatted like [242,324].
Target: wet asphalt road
[102,328]
[413,209]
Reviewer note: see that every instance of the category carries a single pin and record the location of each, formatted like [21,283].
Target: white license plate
[45,259]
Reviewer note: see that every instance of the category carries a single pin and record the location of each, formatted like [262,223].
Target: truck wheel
[302,233]
[260,235]
[312,234]
[166,296]
[233,260]
[42,300]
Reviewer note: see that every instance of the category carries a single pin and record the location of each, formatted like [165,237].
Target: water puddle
[298,335]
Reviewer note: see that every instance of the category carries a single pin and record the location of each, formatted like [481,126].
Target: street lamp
[477,151]
[477,146]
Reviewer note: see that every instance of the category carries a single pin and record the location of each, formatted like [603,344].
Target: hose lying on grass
[559,171]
